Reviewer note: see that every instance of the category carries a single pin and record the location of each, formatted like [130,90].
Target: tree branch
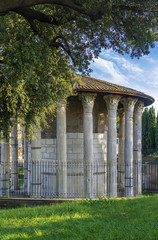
[58,44]
[94,13]
[31,14]
[13,5]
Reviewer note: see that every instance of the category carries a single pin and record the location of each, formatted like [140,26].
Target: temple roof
[89,84]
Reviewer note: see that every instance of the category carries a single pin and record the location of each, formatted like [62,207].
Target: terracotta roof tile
[95,85]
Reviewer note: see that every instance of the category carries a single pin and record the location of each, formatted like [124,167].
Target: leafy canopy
[32,77]
[145,120]
[151,129]
[41,46]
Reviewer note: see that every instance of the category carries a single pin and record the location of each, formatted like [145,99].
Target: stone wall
[74,118]
[75,147]
[76,167]
[48,149]
[100,146]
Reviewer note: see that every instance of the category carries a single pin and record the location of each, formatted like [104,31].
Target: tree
[145,118]
[42,45]
[156,134]
[87,26]
[32,77]
[151,129]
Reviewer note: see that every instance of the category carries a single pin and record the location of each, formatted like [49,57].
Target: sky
[139,74]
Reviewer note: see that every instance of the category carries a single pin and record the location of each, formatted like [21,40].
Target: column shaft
[112,103]
[61,151]
[5,169]
[36,165]
[137,148]
[14,158]
[129,108]
[121,159]
[88,103]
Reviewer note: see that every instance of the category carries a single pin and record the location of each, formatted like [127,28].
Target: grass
[152,159]
[135,218]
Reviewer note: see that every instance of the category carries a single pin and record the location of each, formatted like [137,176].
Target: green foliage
[151,129]
[118,124]
[150,159]
[145,117]
[121,26]
[133,218]
[43,45]
[32,76]
[156,134]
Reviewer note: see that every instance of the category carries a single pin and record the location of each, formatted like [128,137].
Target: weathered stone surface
[49,141]
[5,169]
[52,156]
[137,147]
[84,140]
[74,118]
[121,153]
[88,103]
[35,183]
[112,103]
[14,158]
[77,141]
[129,104]
[61,150]
[50,131]
[72,156]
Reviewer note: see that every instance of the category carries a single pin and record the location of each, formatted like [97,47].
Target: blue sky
[139,74]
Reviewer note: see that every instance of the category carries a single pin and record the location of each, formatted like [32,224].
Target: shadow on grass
[103,219]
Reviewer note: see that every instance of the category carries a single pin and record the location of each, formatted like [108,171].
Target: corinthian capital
[87,99]
[139,107]
[129,103]
[121,112]
[112,101]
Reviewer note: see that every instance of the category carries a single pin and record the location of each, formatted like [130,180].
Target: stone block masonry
[75,148]
[48,149]
[75,160]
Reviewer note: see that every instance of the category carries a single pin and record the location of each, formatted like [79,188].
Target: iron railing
[48,179]
[150,175]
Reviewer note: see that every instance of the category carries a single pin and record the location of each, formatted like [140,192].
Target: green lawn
[135,218]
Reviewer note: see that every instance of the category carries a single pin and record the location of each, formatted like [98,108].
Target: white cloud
[149,59]
[110,70]
[141,75]
[121,61]
[152,77]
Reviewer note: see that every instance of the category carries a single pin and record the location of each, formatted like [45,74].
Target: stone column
[88,103]
[14,158]
[121,159]
[5,169]
[26,167]
[112,103]
[61,150]
[137,147]
[129,104]
[36,164]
